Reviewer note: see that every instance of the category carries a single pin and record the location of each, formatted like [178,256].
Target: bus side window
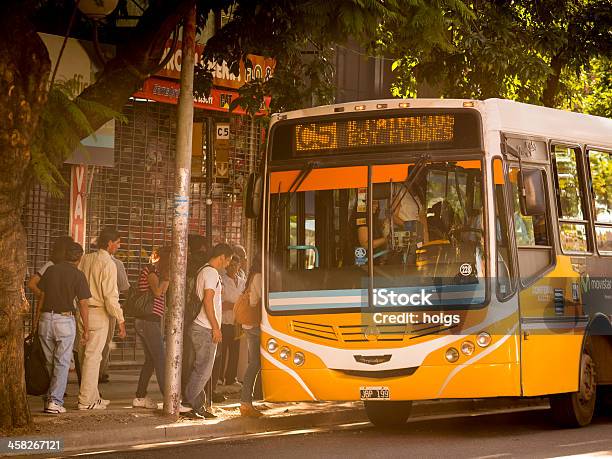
[570,202]
[600,164]
[532,233]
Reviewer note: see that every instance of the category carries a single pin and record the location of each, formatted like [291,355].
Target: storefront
[134,188]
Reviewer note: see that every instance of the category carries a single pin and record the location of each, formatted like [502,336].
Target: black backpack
[193,304]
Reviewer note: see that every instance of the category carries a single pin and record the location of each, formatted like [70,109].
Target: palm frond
[62,124]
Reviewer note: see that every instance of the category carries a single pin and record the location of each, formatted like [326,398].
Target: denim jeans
[155,358]
[204,358]
[229,350]
[187,357]
[254,366]
[57,334]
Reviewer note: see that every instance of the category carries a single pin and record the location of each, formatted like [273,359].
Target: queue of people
[78,307]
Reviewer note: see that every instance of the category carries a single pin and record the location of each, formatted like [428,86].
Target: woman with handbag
[249,314]
[155,278]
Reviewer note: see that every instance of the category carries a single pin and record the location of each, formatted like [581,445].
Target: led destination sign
[425,129]
[351,134]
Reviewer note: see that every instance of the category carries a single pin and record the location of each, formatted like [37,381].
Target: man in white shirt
[123,285]
[205,332]
[101,273]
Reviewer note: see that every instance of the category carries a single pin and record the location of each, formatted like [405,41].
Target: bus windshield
[427,232]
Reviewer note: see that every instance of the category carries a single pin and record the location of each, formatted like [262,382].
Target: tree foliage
[300,35]
[591,90]
[523,50]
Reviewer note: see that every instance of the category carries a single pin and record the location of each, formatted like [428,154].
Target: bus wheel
[387,414]
[576,409]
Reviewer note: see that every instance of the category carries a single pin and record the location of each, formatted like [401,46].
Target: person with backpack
[153,277]
[60,285]
[205,332]
[196,259]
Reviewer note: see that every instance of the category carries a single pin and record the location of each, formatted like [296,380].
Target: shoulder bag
[139,303]
[36,375]
[246,314]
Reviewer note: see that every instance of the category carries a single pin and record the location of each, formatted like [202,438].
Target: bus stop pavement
[122,426]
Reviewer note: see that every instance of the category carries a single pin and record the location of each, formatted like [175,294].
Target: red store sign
[168,92]
[261,68]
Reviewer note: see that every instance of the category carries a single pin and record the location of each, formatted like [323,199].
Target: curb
[347,413]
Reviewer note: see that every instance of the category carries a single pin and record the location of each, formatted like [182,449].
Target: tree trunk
[24,72]
[551,89]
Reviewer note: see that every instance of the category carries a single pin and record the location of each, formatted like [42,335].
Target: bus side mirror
[532,195]
[252,196]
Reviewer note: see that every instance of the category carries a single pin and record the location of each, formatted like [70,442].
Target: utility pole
[251,224]
[180,223]
[210,170]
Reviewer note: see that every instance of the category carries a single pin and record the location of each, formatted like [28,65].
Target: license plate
[374,393]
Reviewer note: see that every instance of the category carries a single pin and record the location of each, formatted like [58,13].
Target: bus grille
[365,333]
[325,332]
[358,333]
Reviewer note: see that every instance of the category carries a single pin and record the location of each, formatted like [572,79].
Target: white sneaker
[54,408]
[184,409]
[145,402]
[105,402]
[97,405]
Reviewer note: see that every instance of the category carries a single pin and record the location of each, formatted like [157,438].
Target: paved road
[520,434]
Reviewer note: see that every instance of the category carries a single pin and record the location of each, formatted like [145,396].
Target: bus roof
[518,118]
[498,115]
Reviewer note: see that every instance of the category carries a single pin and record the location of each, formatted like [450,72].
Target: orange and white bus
[430,249]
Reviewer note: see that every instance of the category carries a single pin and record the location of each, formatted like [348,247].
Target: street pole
[180,223]
[251,224]
[210,170]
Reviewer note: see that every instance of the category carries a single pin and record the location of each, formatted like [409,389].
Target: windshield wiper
[304,173]
[296,184]
[411,179]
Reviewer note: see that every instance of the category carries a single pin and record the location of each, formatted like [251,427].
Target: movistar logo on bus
[385,297]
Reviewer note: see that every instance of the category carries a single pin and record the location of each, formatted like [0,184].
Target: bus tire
[387,414]
[576,409]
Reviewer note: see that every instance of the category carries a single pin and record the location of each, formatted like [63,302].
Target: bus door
[549,350]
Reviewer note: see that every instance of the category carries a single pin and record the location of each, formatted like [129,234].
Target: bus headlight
[452,355]
[467,347]
[284,353]
[483,339]
[272,345]
[298,359]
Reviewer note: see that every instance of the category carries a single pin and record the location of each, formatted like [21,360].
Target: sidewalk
[123,426]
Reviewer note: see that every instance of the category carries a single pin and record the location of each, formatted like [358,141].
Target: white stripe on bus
[474,359]
[287,370]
